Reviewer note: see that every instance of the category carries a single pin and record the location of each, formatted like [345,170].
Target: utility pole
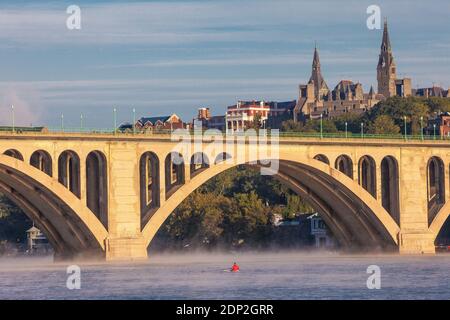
[134,121]
[321,126]
[13,120]
[114,120]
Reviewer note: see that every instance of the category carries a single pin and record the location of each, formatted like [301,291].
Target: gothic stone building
[316,99]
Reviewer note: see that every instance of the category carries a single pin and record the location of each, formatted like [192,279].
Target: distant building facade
[440,125]
[210,122]
[316,99]
[433,91]
[280,112]
[241,116]
[322,236]
[37,241]
[171,122]
[388,84]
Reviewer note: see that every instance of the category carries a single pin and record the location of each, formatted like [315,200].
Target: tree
[353,122]
[294,206]
[13,222]
[437,104]
[291,126]
[328,126]
[384,125]
[249,220]
[257,122]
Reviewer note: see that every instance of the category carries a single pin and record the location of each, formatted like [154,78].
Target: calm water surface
[262,276]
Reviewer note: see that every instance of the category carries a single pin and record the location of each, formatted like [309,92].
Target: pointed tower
[371,93]
[320,86]
[386,69]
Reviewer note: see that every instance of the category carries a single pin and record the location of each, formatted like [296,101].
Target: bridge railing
[291,134]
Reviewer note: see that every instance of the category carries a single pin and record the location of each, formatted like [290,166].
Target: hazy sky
[175,56]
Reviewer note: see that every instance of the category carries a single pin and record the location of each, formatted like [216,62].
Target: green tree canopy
[384,124]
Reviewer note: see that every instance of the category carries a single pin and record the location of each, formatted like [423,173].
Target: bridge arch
[97,185]
[222,157]
[435,186]
[367,174]
[174,172]
[344,164]
[69,171]
[149,182]
[390,196]
[352,214]
[14,154]
[323,158]
[199,162]
[42,160]
[68,224]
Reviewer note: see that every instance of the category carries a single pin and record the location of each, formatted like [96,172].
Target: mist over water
[269,275]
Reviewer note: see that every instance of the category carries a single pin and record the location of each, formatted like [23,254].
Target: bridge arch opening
[389,187]
[222,157]
[69,226]
[97,186]
[149,185]
[199,162]
[323,158]
[69,171]
[174,172]
[353,216]
[42,160]
[435,186]
[367,174]
[14,153]
[345,165]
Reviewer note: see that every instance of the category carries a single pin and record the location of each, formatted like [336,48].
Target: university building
[316,99]
[240,116]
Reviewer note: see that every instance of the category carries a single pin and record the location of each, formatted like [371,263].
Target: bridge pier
[416,242]
[120,249]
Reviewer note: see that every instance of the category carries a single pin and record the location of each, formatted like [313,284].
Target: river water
[270,275]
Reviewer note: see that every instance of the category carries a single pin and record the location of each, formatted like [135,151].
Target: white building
[320,232]
[37,242]
[239,117]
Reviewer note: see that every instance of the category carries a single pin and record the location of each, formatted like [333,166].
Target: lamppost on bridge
[404,120]
[362,130]
[434,131]
[134,121]
[321,125]
[62,122]
[115,120]
[81,122]
[13,119]
[421,128]
[346,130]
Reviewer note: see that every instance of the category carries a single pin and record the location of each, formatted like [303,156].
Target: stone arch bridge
[107,196]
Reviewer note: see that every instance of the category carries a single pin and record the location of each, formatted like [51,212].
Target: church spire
[316,59]
[386,69]
[320,86]
[386,43]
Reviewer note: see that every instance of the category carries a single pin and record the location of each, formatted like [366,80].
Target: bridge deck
[306,140]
